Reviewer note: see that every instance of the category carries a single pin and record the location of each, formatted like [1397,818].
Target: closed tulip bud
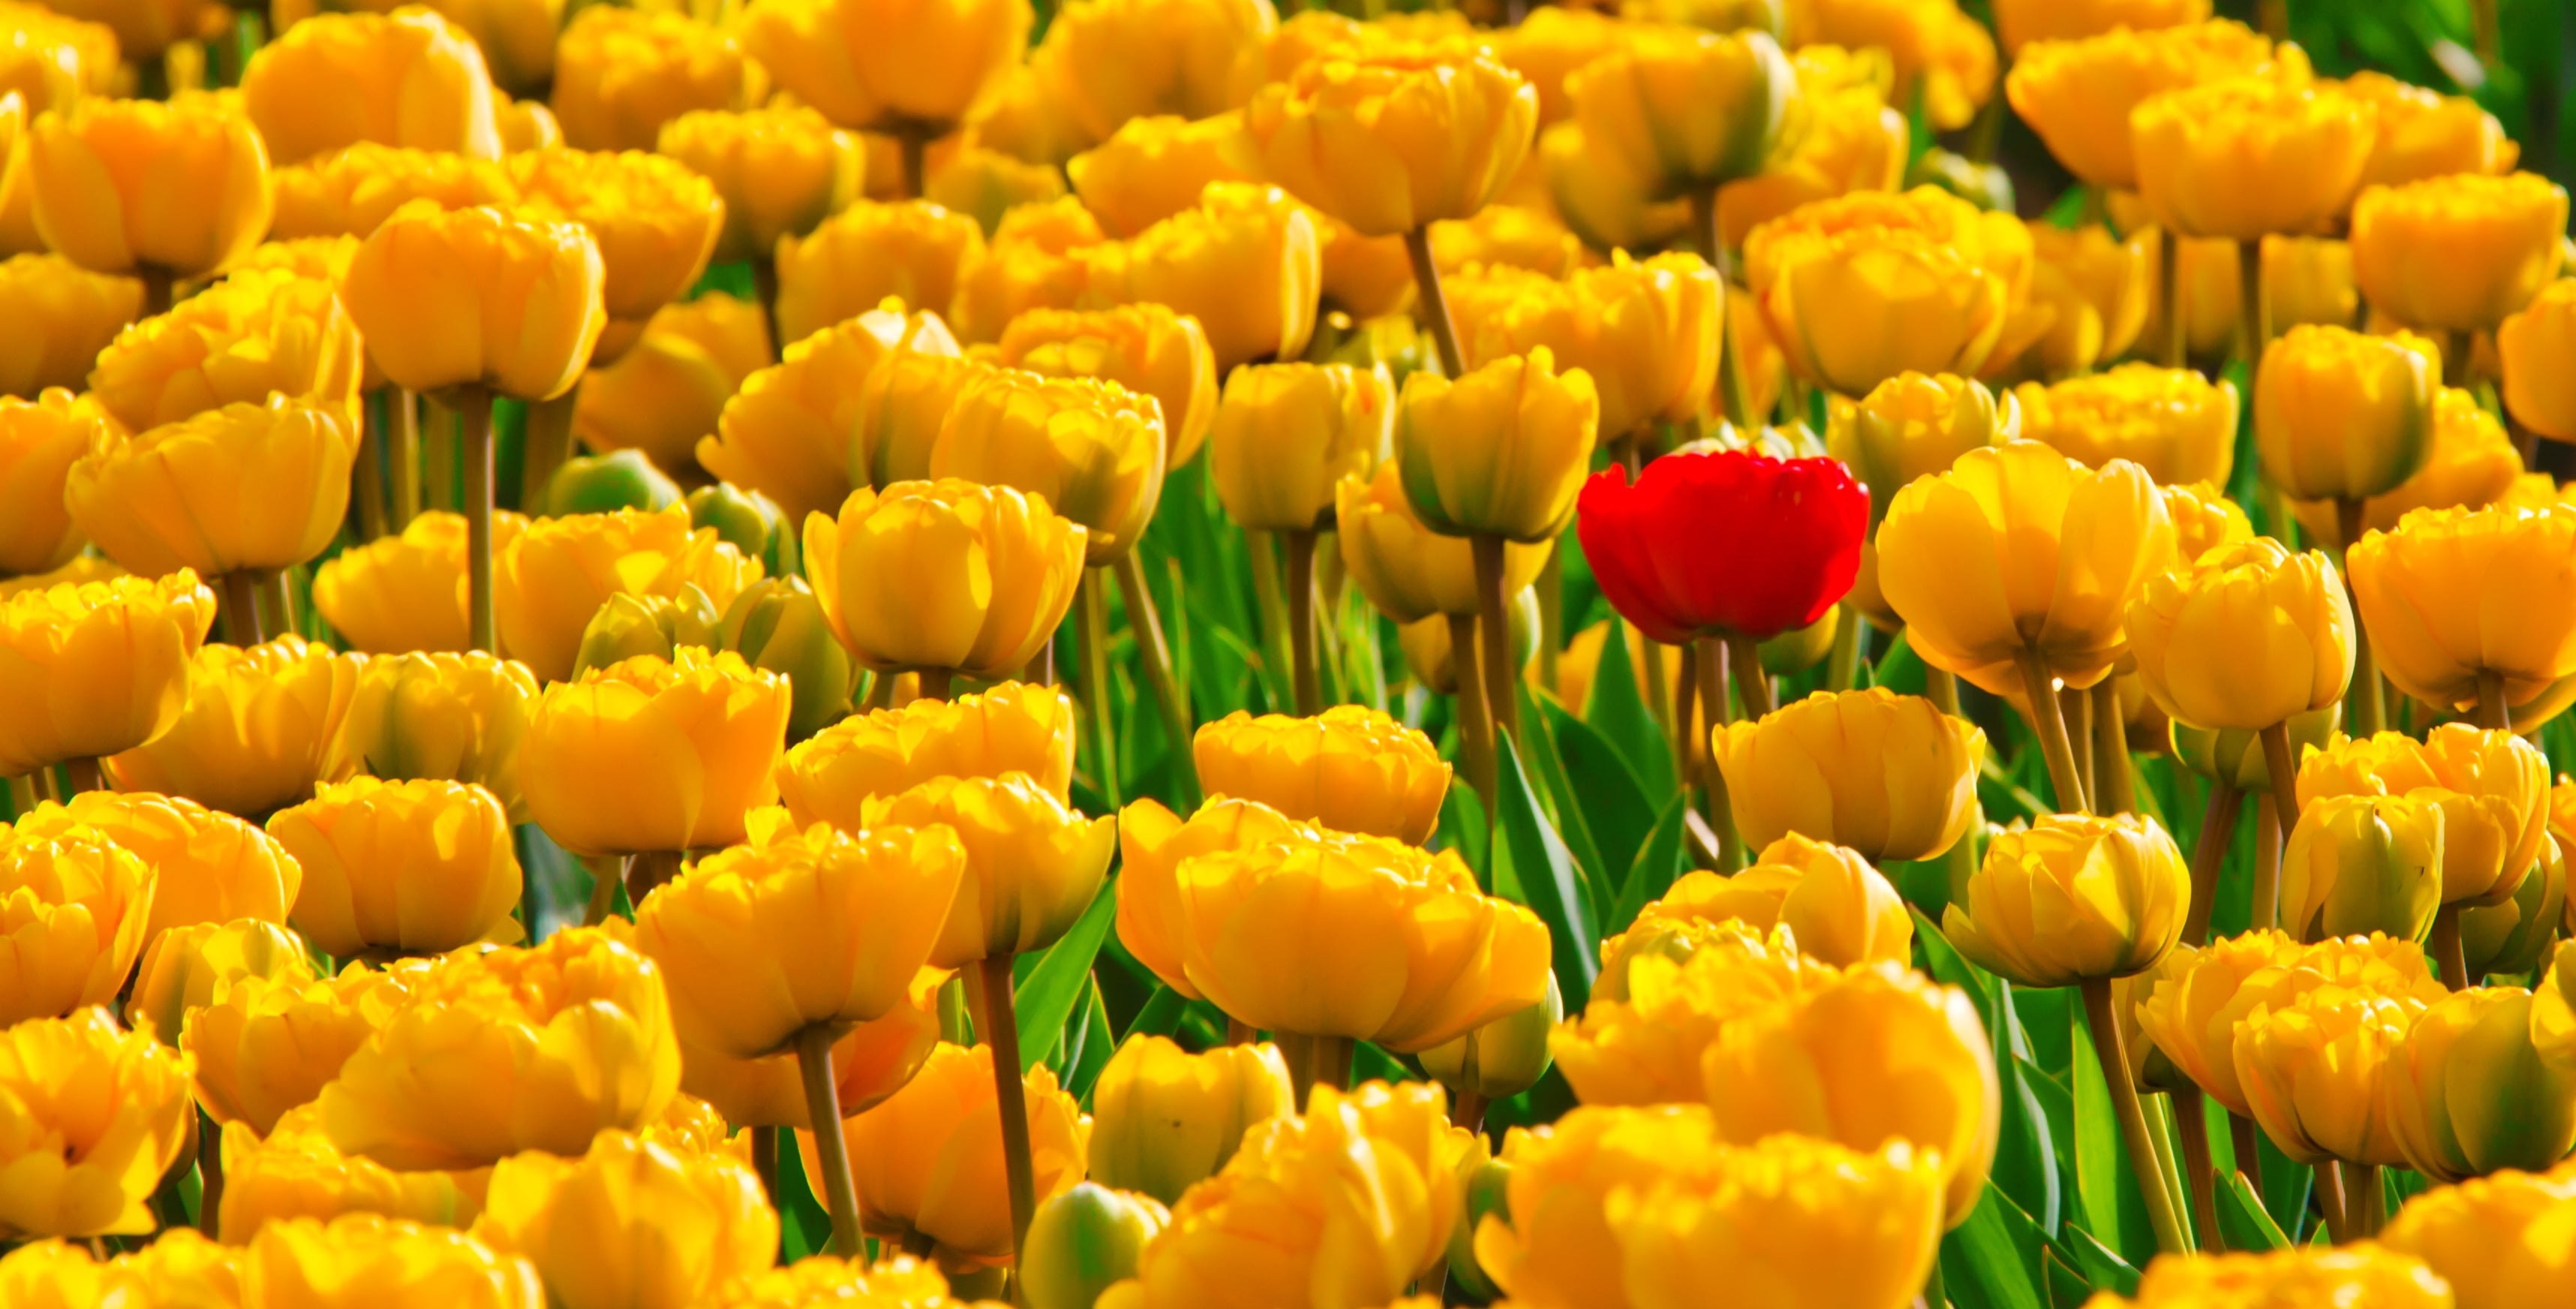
[555,577]
[908,250]
[2358,864]
[138,185]
[1085,1240]
[268,1047]
[1890,776]
[888,555]
[776,624]
[102,1114]
[368,1259]
[1392,141]
[654,755]
[1357,916]
[40,439]
[65,314]
[750,522]
[928,1161]
[2026,521]
[875,65]
[1153,167]
[2458,599]
[2488,1237]
[1245,263]
[408,80]
[2313,1069]
[781,172]
[351,191]
[1153,843]
[2471,463]
[1033,865]
[2245,157]
[1500,452]
[873,1060]
[475,297]
[2246,637]
[1912,426]
[1598,197]
[2074,898]
[1164,1120]
[605,483]
[1804,1221]
[655,223]
[2541,396]
[1688,110]
[2343,416]
[260,729]
[621,74]
[1145,348]
[2468,1094]
[2171,422]
[629,1222]
[1406,570]
[295,1173]
[1350,768]
[74,914]
[628,626]
[2491,786]
[188,968]
[401,868]
[1502,1058]
[789,432]
[1866,287]
[2458,253]
[442,717]
[182,495]
[99,667]
[1286,434]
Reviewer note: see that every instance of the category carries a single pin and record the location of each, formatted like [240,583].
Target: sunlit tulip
[2100,289]
[1350,768]
[1601,200]
[2019,553]
[985,184]
[2357,1273]
[1245,263]
[2358,864]
[1888,775]
[295,1173]
[928,1161]
[208,867]
[2312,1069]
[2246,637]
[2489,1237]
[1033,865]
[1941,55]
[2458,253]
[2516,936]
[367,1259]
[653,754]
[1795,1220]
[1642,1037]
[164,190]
[2460,601]
[1153,843]
[251,336]
[181,495]
[2343,416]
[788,433]
[2246,157]
[1912,426]
[2073,899]
[260,729]
[1865,287]
[93,668]
[2078,93]
[99,1115]
[2540,395]
[654,220]
[620,74]
[1133,58]
[188,968]
[1836,906]
[1551,1243]
[416,867]
[477,297]
[2194,1015]
[2425,134]
[1405,569]
[2467,1093]
[670,387]
[1012,728]
[443,717]
[1687,110]
[2471,464]
[1145,348]
[1153,167]
[397,79]
[1392,141]
[1286,434]
[40,439]
[353,190]
[874,1060]
[902,593]
[1039,256]
[1501,451]
[2021,22]
[911,250]
[1645,333]
[555,575]
[1848,138]
[1166,1119]
[2175,424]
[629,1222]
[74,914]
[2491,786]
[64,315]
[1504,1057]
[884,65]
[268,1046]
[781,172]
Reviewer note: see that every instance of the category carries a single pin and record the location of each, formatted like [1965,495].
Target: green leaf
[2242,1220]
[1992,1260]
[2114,1207]
[1655,868]
[1620,712]
[2103,1267]
[1613,801]
[1162,1013]
[558,887]
[1531,859]
[2025,1159]
[1540,751]
[804,1224]
[1093,1053]
[1463,828]
[1045,999]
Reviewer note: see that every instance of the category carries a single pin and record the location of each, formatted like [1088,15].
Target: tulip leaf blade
[1097,1044]
[1619,711]
[1532,861]
[1564,807]
[2101,1266]
[1046,998]
[1992,1260]
[2106,1184]
[2241,1217]
[1614,802]
[2025,1164]
[1653,871]
[804,1225]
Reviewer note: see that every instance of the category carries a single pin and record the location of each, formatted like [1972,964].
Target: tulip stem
[81,773]
[914,144]
[2445,945]
[2254,312]
[276,602]
[1851,646]
[1316,1061]
[2076,708]
[2267,862]
[2493,713]
[2369,712]
[548,447]
[22,795]
[402,456]
[240,610]
[474,427]
[764,1161]
[2040,690]
[1091,616]
[2332,1202]
[1752,684]
[607,873]
[2459,356]
[1712,671]
[1435,305]
[1734,389]
[1171,694]
[2246,1141]
[2191,1123]
[934,683]
[2209,856]
[1300,549]
[2365,1202]
[1494,623]
[2169,297]
[1475,728]
[831,1147]
[210,1175]
[2107,1045]
[2284,770]
[2117,784]
[1551,613]
[369,489]
[1001,1029]
[157,281]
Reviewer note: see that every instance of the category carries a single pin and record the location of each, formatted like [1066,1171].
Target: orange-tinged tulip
[407,79]
[2247,157]
[1406,570]
[353,190]
[242,488]
[2339,415]
[1245,263]
[2195,1016]
[1392,141]
[1145,348]
[2021,22]
[94,668]
[251,336]
[1011,728]
[654,755]
[781,172]
[2077,92]
[1033,865]
[2492,788]
[1035,258]
[654,220]
[876,1059]
[189,968]
[630,1222]
[208,867]
[1645,1045]
[1940,53]
[268,1047]
[1128,59]
[2312,1069]
[2172,422]
[890,65]
[40,438]
[670,388]
[1350,768]
[74,909]
[1865,287]
[2246,637]
[1285,434]
[2460,253]
[2490,1238]
[261,728]
[477,297]
[945,574]
[1153,167]
[1886,774]
[407,592]
[910,250]
[294,1173]
[558,572]
[416,867]
[64,315]
[2425,134]
[168,189]
[1153,843]
[2459,602]
[789,432]
[2539,394]
[621,74]
[2073,898]
[97,1116]
[369,1259]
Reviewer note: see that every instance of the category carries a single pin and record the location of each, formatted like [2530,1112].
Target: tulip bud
[2247,637]
[1987,186]
[1499,452]
[1286,434]
[1488,1192]
[628,626]
[901,595]
[2487,1237]
[2235,756]
[2491,786]
[2343,416]
[1163,1119]
[1084,1240]
[2313,1067]
[599,484]
[2514,937]
[1502,1058]
[2073,898]
[442,717]
[1734,91]
[1890,776]
[777,624]
[1800,648]
[105,1114]
[1912,426]
[188,968]
[1093,450]
[1350,768]
[2358,864]
[559,574]
[749,522]
[2468,1094]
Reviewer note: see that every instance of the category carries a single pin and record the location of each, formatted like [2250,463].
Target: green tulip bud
[2469,1093]
[777,624]
[2514,937]
[1794,652]
[1083,1241]
[748,521]
[2358,864]
[1987,186]
[630,625]
[1487,1189]
[2237,757]
[598,484]
[1502,1058]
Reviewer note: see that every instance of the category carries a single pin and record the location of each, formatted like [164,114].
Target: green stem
[1551,614]
[934,682]
[547,447]
[2040,689]
[2365,1202]
[369,488]
[2284,772]
[2253,308]
[240,609]
[403,456]
[2209,857]
[2267,862]
[474,428]
[831,1147]
[1475,725]
[764,1161]
[2493,713]
[1494,628]
[1435,304]
[2076,707]
[1270,594]
[2113,783]
[2169,295]
[2445,945]
[1002,1031]
[1092,618]
[2246,1141]
[210,1175]
[1713,659]
[2332,1200]
[276,602]
[2107,1044]
[2191,1123]
[1162,676]
[607,873]
[1734,388]
[1752,685]
[2369,710]
[1301,621]
[438,457]
[1851,646]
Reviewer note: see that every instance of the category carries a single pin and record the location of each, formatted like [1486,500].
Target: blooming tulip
[2173,423]
[1803,1220]
[1152,167]
[182,495]
[1350,769]
[629,1222]
[1794,528]
[1145,348]
[102,1116]
[294,1173]
[1091,450]
[2077,94]
[1153,843]
[74,909]
[1393,141]
[781,172]
[1940,54]
[251,336]
[417,867]
[139,186]
[2246,637]
[1687,110]
[267,1046]
[2358,864]
[2423,592]
[654,755]
[2424,134]
[1033,865]
[1500,452]
[1645,333]
[40,439]
[351,191]
[2246,157]
[2312,1070]
[1838,908]
[477,298]
[1405,569]
[788,432]
[260,729]
[555,576]
[655,223]
[209,867]
[882,65]
[369,1259]
[1012,728]
[910,250]
[2020,22]
[2194,1015]
[2468,1094]
[2540,395]
[621,74]
[2488,1238]
[1120,61]
[398,79]
[2073,899]
[2343,416]
[1166,1120]
[93,668]
[2460,253]
[188,968]
[1285,434]
[1864,288]
[1887,775]
[886,555]
[64,315]
[1245,263]
[1501,1059]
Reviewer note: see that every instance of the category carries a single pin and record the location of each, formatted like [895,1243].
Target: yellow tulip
[928,1161]
[2490,1237]
[629,1222]
[2356,1273]
[1245,263]
[1551,1243]
[64,315]
[902,407]
[1033,865]
[2341,415]
[655,223]
[1843,1044]
[1912,426]
[905,589]
[909,250]
[2313,1068]
[621,74]
[2468,1094]
[1155,166]
[2424,134]
[261,728]
[2537,392]
[556,574]
[1499,452]
[2246,157]
[823,1278]
[417,867]
[1011,728]
[889,65]
[367,1259]
[2178,426]
[1687,110]
[99,1115]
[189,968]
[1124,60]
[1091,450]
[2470,463]
[2357,864]
[2459,599]
[74,913]
[2515,936]
[296,1174]
[1785,1222]
[1503,1058]
[2073,899]
[405,593]
[2018,552]
[1351,769]
[2491,786]
[209,867]
[2246,637]
[1391,141]
[181,495]
[986,184]
[1403,567]
[1085,1241]
[2020,22]
[89,35]
[788,433]
[1940,53]
[409,80]
[874,1060]
[1553,44]
[670,387]
[2100,288]
[353,190]
[1836,906]
[268,1047]
[1038,256]
[93,668]
[40,439]
[1849,139]
[1285,434]
[1145,348]
[1865,287]
[476,297]
[511,1050]
[1338,939]
[1888,775]
[2195,1015]
[1645,333]
[2077,93]
[1153,843]
[169,190]
[249,337]
[1165,1119]
[2458,253]
[654,755]
[1604,203]
[442,717]
[781,172]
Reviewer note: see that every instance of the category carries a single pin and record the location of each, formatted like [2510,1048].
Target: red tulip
[1723,544]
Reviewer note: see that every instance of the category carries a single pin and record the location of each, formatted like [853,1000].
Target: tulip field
[1166,654]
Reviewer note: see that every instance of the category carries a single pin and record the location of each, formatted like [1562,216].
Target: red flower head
[1723,544]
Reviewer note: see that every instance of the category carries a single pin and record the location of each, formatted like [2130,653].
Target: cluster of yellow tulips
[623,684]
